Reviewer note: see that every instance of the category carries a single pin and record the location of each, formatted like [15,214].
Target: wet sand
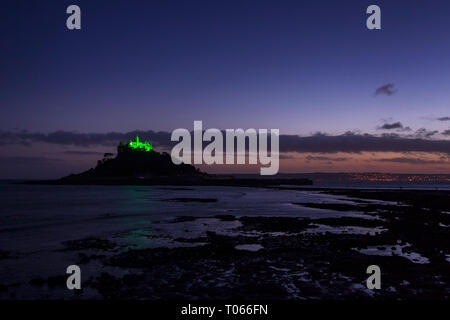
[405,232]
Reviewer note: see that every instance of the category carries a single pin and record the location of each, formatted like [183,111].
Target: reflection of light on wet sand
[249,247]
[394,250]
[321,228]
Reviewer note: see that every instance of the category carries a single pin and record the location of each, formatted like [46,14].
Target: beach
[289,243]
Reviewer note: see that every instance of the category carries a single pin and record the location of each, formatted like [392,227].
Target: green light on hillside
[137,145]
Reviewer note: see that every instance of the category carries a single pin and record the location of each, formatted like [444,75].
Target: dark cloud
[387,89]
[83,153]
[444,119]
[446,132]
[412,160]
[28,160]
[424,133]
[356,143]
[287,156]
[323,158]
[81,139]
[317,143]
[391,126]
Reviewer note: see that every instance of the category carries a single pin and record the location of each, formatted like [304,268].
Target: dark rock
[89,243]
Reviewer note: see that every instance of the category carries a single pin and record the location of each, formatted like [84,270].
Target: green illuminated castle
[135,145]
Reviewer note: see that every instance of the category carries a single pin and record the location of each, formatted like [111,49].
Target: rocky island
[138,163]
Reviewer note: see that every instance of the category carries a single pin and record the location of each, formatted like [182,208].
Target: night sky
[309,68]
